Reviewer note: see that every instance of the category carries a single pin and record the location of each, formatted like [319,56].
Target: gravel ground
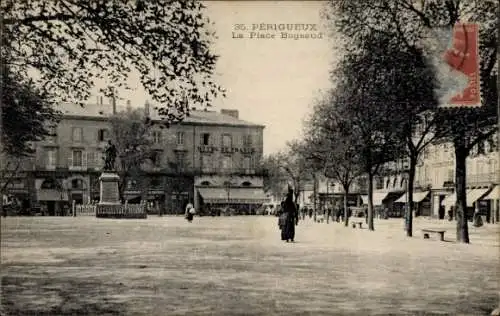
[238,266]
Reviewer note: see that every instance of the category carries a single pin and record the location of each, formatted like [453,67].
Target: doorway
[51,208]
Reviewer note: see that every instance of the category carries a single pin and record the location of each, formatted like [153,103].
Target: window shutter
[70,159]
[84,159]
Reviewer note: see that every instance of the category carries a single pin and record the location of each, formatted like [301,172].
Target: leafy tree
[275,179]
[68,45]
[297,167]
[26,115]
[364,112]
[410,86]
[408,22]
[289,165]
[130,134]
[332,147]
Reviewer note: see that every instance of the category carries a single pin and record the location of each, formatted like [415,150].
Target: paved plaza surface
[238,266]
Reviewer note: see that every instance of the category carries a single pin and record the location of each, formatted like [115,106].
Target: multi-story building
[210,158]
[436,170]
[434,182]
[435,179]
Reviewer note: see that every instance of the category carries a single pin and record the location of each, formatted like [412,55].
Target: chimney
[147,109]
[233,113]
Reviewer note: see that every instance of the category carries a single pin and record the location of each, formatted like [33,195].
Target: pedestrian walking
[189,213]
[291,218]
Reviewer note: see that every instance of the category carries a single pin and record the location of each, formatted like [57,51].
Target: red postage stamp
[463,57]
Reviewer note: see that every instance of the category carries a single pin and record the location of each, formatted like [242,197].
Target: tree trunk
[409,192]
[2,158]
[370,201]
[346,217]
[314,197]
[460,185]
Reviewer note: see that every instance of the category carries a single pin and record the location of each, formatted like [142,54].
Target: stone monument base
[109,203]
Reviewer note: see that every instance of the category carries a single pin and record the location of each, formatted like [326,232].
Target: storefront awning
[472,196]
[233,195]
[51,195]
[494,194]
[378,198]
[417,197]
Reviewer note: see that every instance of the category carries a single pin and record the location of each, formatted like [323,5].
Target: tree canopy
[27,116]
[66,46]
[409,24]
[130,133]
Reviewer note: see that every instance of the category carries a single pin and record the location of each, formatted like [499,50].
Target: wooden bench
[360,224]
[434,231]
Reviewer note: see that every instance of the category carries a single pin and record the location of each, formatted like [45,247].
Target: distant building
[435,180]
[433,187]
[210,159]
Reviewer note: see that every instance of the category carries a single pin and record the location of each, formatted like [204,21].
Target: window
[180,138]
[98,159]
[156,158]
[156,182]
[77,160]
[157,137]
[480,148]
[52,133]
[246,184]
[180,158]
[388,182]
[492,141]
[77,135]
[480,168]
[206,162]
[394,183]
[247,140]
[425,153]
[102,135]
[227,163]
[77,184]
[51,156]
[205,139]
[131,184]
[205,183]
[227,141]
[450,175]
[246,162]
[51,184]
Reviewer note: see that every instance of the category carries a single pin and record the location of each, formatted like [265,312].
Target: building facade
[435,180]
[434,183]
[194,160]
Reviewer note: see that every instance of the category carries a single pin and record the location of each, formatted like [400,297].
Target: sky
[273,82]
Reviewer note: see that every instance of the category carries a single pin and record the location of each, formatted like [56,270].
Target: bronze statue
[109,156]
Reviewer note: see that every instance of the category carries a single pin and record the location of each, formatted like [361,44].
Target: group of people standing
[288,218]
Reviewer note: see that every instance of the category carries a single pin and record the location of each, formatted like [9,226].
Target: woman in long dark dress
[291,218]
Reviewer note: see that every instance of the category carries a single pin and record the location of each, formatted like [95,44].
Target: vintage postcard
[183,157]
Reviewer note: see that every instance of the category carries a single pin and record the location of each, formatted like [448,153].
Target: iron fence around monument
[85,210]
[121,211]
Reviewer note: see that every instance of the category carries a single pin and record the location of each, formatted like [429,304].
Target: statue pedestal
[109,203]
[109,193]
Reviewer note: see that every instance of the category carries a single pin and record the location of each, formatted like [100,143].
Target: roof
[196,117]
